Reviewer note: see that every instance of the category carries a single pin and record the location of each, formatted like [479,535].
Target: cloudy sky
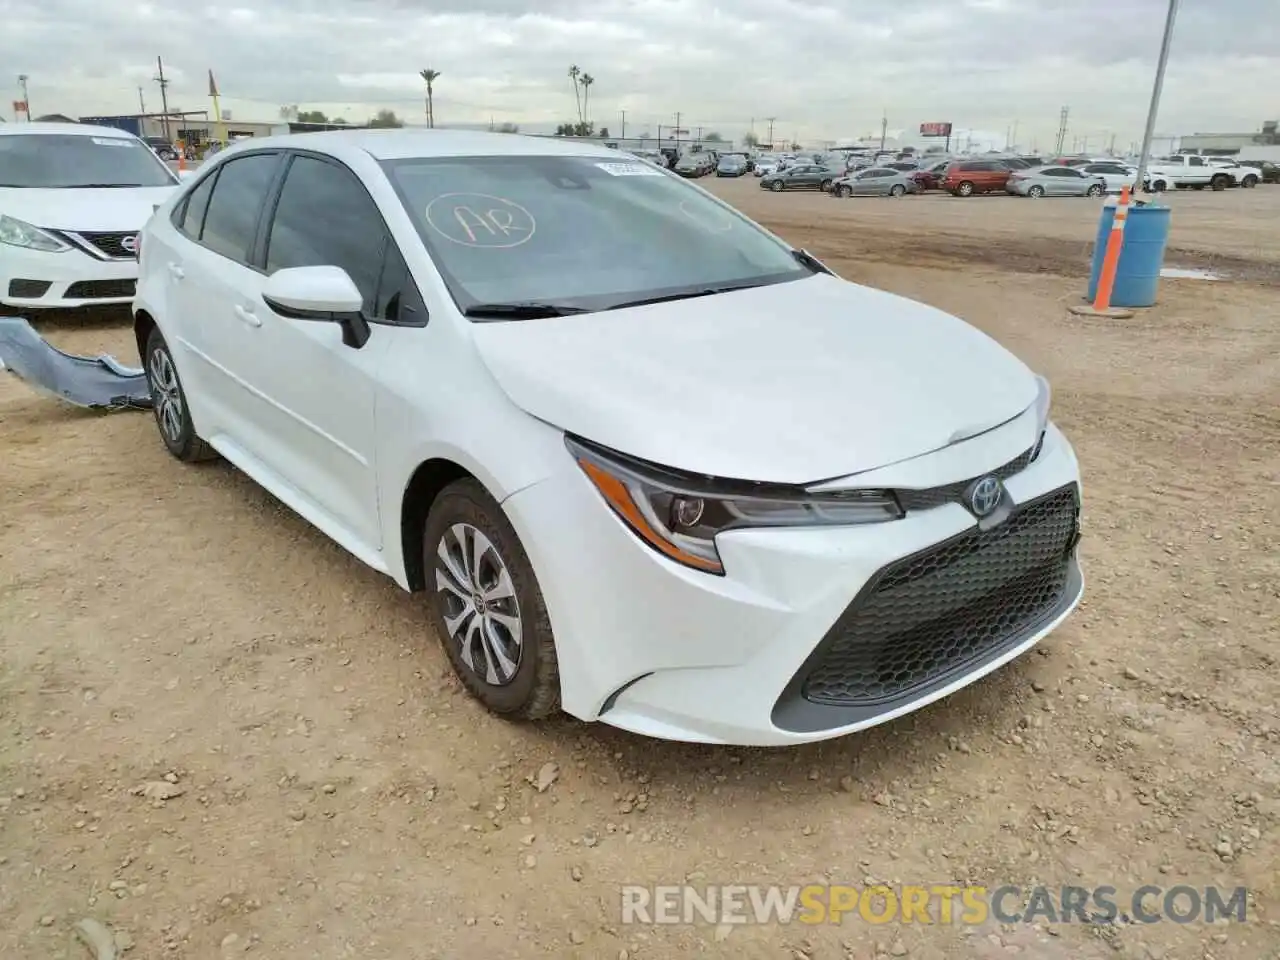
[825,69]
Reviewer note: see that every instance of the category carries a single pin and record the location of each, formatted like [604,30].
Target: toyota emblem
[130,244]
[984,496]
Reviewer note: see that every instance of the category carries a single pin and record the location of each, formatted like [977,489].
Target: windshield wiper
[689,294]
[521,311]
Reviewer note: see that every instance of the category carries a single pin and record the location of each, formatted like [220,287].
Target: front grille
[926,617]
[954,492]
[29,289]
[111,244]
[100,289]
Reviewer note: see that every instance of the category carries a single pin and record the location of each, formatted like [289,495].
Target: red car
[968,177]
[930,178]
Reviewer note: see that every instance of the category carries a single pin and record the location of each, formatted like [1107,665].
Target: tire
[1095,191]
[528,686]
[776,186]
[1220,182]
[965,189]
[1036,192]
[897,190]
[169,404]
[825,186]
[846,191]
[1159,186]
[1249,182]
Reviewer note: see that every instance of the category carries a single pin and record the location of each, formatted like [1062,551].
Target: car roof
[401,144]
[63,129]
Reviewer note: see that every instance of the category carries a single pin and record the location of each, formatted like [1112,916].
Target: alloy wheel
[480,610]
[166,398]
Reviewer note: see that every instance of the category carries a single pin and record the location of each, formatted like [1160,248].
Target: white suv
[72,201]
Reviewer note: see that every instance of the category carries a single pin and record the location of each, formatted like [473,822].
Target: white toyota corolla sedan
[72,200]
[649,464]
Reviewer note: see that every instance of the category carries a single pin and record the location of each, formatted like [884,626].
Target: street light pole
[1156,89]
[26,98]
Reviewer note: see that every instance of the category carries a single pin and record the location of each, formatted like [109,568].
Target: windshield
[580,232]
[59,160]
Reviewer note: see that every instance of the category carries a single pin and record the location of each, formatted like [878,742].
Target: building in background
[1230,144]
[195,128]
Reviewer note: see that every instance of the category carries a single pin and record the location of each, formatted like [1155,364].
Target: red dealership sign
[935,129]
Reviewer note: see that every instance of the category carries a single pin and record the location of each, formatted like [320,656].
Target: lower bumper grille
[29,289]
[927,617]
[100,289]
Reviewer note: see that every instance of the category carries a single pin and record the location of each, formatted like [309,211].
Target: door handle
[175,271]
[247,316]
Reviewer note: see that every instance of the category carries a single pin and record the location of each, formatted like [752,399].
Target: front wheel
[169,404]
[487,606]
[897,190]
[1220,182]
[846,191]
[1159,186]
[1094,191]
[1036,192]
[1249,182]
[776,186]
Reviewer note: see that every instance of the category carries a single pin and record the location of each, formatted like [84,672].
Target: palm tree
[587,80]
[574,73]
[430,76]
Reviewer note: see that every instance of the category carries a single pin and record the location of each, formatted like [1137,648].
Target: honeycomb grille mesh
[929,615]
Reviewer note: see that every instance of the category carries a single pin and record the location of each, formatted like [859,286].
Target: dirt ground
[338,796]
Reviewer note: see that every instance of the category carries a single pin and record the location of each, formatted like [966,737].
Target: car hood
[788,383]
[106,210]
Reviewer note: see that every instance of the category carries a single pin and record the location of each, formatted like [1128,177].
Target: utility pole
[1084,144]
[1112,148]
[26,99]
[884,128]
[142,104]
[1062,129]
[699,134]
[164,95]
[771,119]
[1014,146]
[1149,133]
[677,133]
[624,124]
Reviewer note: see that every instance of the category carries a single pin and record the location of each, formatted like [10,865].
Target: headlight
[1044,396]
[17,233]
[680,515]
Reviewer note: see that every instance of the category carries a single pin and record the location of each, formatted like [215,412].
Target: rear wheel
[965,189]
[1036,192]
[169,404]
[825,186]
[487,607]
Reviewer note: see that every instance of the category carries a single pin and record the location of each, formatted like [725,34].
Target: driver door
[318,395]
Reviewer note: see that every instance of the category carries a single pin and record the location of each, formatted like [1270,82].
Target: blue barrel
[1141,256]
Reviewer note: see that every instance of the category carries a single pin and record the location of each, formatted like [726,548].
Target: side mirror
[325,294]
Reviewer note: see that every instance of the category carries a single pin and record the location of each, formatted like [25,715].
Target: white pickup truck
[1185,170]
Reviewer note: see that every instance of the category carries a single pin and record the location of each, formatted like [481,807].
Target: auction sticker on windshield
[629,169]
[112,142]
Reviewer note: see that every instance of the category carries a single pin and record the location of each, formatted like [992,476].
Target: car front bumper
[35,280]
[812,633]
